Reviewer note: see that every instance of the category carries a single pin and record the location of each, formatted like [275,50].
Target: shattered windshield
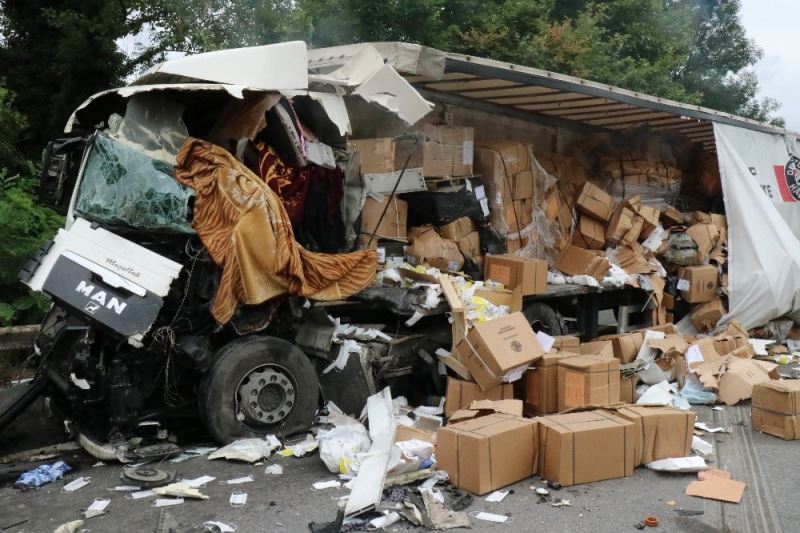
[121,185]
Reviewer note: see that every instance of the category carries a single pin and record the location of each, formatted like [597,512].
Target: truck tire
[258,385]
[544,318]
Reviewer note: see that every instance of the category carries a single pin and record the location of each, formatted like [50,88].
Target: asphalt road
[288,502]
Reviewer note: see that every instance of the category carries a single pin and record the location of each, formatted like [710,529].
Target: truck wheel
[258,385]
[542,317]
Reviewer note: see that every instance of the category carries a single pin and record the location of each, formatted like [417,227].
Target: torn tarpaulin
[42,474]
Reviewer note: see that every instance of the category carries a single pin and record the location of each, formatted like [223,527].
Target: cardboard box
[671,217]
[776,408]
[379,156]
[574,261]
[511,299]
[512,245]
[589,234]
[517,215]
[585,447]
[705,235]
[470,245]
[448,151]
[566,343]
[541,386]
[499,350]
[626,346]
[698,284]
[393,225]
[627,388]
[664,432]
[706,316]
[528,274]
[427,247]
[522,185]
[650,218]
[604,349]
[587,380]
[488,453]
[594,202]
[497,162]
[457,229]
[632,235]
[741,376]
[621,222]
[462,393]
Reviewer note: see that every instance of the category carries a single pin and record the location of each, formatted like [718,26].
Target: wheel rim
[265,395]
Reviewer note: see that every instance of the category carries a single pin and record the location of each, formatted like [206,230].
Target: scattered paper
[693,355]
[249,450]
[76,484]
[702,447]
[181,490]
[717,488]
[223,527]
[301,448]
[718,408]
[545,341]
[140,494]
[704,427]
[124,488]
[275,470]
[490,517]
[320,485]
[167,502]
[97,507]
[679,464]
[238,499]
[497,496]
[198,482]
[238,480]
[388,519]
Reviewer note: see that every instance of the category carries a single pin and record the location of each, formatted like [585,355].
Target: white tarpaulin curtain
[763,223]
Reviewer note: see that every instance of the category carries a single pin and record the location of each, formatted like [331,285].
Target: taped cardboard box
[587,380]
[594,202]
[671,217]
[650,218]
[470,245]
[585,447]
[626,346]
[603,348]
[698,284]
[627,389]
[428,247]
[776,408]
[457,229]
[517,215]
[706,316]
[383,155]
[499,350]
[664,432]
[632,235]
[393,225]
[488,453]
[462,393]
[448,151]
[528,274]
[589,234]
[621,223]
[574,261]
[566,343]
[522,185]
[496,162]
[541,385]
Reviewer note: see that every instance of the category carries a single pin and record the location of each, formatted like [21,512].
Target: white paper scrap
[702,447]
[490,517]
[124,488]
[320,485]
[275,470]
[225,528]
[238,499]
[545,341]
[497,496]
[704,427]
[198,482]
[76,484]
[717,408]
[679,464]
[167,502]
[97,507]
[238,480]
[140,494]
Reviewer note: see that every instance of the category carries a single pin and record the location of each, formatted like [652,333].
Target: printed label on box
[683,285]
[573,389]
[500,273]
[381,255]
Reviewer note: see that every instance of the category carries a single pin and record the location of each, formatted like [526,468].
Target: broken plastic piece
[238,499]
[223,527]
[497,496]
[651,521]
[679,464]
[181,490]
[382,522]
[702,447]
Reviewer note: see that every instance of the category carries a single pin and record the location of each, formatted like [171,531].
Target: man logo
[99,298]
[91,308]
[516,346]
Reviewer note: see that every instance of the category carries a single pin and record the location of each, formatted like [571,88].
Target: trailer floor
[288,502]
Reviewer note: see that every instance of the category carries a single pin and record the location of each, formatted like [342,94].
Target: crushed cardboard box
[530,275]
[461,393]
[429,248]
[776,408]
[664,432]
[574,261]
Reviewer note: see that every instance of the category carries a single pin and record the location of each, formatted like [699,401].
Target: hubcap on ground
[265,395]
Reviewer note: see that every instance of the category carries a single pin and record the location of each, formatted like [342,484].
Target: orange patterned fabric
[247,232]
[288,182]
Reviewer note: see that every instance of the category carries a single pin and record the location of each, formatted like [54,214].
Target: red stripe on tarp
[783,187]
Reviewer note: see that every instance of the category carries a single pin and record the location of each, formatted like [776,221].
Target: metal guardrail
[17,338]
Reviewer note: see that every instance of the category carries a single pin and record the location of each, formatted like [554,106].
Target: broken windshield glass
[121,185]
